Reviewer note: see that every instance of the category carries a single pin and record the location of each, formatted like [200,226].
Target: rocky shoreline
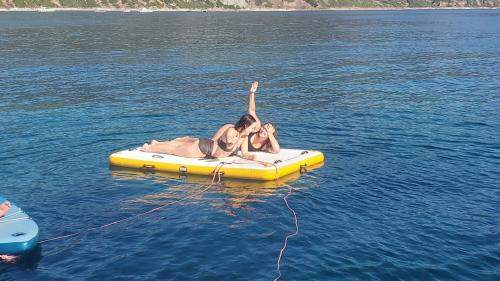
[238,5]
[145,10]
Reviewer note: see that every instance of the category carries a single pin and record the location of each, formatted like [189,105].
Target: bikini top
[223,146]
[252,148]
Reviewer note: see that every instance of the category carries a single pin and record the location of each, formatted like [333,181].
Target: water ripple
[403,104]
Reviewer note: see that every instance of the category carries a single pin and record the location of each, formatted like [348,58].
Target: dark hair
[245,121]
[275,134]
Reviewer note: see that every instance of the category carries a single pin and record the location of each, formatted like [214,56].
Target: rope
[289,235]
[216,173]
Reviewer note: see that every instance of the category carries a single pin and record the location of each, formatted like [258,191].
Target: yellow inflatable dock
[284,163]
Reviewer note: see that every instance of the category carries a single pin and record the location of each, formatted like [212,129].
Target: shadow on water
[226,195]
[239,192]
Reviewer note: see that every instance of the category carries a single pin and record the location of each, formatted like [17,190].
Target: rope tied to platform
[216,173]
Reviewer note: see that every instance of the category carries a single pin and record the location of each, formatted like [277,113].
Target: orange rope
[289,235]
[216,173]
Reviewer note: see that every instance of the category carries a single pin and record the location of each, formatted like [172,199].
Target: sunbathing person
[228,139]
[264,138]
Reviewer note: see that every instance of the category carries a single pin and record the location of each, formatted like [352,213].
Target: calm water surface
[405,106]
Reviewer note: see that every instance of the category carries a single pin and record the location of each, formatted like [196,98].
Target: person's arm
[251,104]
[247,156]
[221,131]
[275,146]
[244,150]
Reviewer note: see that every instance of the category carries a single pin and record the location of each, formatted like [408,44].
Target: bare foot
[153,142]
[145,147]
[254,86]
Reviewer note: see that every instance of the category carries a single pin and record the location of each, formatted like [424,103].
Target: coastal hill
[243,4]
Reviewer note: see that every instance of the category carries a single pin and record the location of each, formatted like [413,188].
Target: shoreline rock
[237,5]
[145,10]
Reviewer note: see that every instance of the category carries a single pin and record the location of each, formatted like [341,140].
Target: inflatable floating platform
[286,162]
[18,232]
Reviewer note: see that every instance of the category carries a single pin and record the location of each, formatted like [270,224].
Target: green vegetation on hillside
[233,4]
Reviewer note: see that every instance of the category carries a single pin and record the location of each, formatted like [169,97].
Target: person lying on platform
[228,139]
[264,138]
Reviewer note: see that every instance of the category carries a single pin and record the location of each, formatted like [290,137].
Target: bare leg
[144,147]
[147,147]
[188,149]
[183,148]
[185,139]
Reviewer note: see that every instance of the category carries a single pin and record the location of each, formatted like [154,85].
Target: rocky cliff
[245,4]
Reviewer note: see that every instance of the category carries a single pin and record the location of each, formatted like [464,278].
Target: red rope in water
[289,235]
[216,173]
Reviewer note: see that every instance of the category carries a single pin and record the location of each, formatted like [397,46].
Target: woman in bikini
[264,138]
[228,139]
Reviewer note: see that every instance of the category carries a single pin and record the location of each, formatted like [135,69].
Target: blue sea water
[404,104]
